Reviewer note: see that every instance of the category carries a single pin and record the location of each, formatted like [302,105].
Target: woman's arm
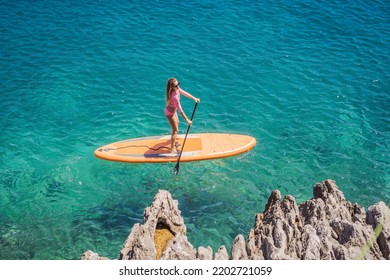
[185,117]
[188,95]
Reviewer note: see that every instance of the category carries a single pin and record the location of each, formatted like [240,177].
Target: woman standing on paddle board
[172,98]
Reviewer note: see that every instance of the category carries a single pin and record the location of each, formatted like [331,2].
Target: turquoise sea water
[309,79]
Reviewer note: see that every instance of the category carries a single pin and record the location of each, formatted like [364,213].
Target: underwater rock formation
[324,227]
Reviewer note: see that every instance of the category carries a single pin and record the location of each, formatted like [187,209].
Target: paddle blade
[176,169]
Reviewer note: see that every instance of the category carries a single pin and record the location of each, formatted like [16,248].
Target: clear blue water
[309,79]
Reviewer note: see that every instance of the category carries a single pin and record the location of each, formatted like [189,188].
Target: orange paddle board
[156,149]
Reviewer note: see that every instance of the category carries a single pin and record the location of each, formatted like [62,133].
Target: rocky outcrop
[325,227]
[163,214]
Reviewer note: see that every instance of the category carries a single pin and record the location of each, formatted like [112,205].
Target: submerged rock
[325,227]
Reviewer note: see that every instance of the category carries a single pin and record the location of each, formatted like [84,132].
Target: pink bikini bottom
[168,113]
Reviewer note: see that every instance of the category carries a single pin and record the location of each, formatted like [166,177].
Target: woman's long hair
[170,85]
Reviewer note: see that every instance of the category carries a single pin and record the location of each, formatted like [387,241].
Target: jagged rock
[239,248]
[139,245]
[92,256]
[339,224]
[204,253]
[378,215]
[324,227]
[311,243]
[253,248]
[179,249]
[221,253]
[164,213]
[276,230]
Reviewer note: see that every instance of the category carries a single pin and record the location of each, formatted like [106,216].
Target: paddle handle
[193,112]
[176,169]
[188,129]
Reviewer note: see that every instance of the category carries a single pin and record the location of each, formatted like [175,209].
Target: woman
[172,98]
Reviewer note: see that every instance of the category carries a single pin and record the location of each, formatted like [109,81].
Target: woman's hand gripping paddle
[177,166]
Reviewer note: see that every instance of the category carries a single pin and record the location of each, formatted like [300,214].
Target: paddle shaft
[176,169]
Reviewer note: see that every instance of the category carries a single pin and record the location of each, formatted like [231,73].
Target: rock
[253,247]
[340,225]
[239,248]
[179,249]
[378,216]
[326,227]
[204,253]
[139,245]
[92,256]
[311,243]
[163,214]
[276,233]
[221,253]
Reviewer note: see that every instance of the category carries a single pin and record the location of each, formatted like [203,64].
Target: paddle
[177,166]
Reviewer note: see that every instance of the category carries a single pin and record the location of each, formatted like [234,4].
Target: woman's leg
[174,123]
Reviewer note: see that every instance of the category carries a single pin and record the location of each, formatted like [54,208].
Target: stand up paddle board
[156,149]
